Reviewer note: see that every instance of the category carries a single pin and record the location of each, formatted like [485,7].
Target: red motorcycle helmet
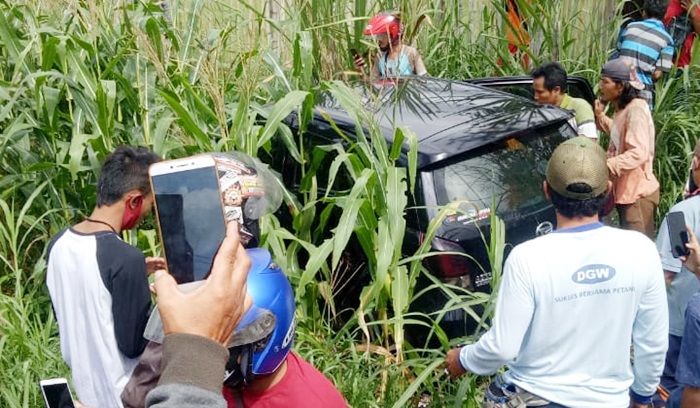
[384,23]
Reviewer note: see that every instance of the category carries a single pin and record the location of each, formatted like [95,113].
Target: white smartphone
[56,393]
[190,214]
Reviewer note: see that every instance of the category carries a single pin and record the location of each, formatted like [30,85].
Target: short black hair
[655,8]
[571,208]
[125,169]
[554,76]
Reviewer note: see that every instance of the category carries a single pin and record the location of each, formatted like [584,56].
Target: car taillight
[449,265]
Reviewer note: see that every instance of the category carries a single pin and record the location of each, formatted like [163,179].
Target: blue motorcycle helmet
[265,335]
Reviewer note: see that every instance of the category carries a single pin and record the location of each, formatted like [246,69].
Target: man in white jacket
[571,303]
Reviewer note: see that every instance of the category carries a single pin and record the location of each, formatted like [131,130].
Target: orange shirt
[631,151]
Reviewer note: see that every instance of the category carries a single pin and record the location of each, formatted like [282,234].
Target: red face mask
[132,213]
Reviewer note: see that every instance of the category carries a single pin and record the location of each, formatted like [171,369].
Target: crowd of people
[597,325]
[587,316]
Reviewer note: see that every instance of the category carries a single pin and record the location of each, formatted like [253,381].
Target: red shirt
[302,386]
[675,9]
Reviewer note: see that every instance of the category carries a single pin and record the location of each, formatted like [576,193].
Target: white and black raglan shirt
[99,290]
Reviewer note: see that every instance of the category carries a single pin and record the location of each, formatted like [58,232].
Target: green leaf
[279,112]
[317,258]
[395,205]
[154,35]
[186,120]
[400,301]
[411,390]
[397,144]
[78,145]
[274,63]
[346,224]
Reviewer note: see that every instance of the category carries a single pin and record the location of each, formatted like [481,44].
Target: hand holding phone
[357,59]
[678,234]
[56,393]
[190,214]
[196,197]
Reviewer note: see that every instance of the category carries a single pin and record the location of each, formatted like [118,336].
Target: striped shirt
[648,46]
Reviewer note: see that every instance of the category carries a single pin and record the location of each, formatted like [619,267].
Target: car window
[576,89]
[524,90]
[509,171]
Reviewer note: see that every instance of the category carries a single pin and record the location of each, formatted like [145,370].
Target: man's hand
[598,108]
[359,62]
[453,365]
[213,309]
[692,261]
[154,263]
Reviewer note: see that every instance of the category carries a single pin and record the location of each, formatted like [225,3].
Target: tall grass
[78,78]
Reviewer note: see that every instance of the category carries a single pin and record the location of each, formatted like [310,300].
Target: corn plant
[78,78]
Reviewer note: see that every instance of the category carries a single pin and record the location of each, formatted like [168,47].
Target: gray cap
[622,70]
[578,161]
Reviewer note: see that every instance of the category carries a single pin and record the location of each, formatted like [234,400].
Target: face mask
[132,213]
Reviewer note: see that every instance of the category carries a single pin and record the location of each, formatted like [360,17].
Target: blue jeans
[674,400]
[668,377]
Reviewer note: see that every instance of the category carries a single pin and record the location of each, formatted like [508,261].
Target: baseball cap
[622,71]
[578,161]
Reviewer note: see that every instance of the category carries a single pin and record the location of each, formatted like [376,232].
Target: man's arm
[188,382]
[650,335]
[418,65]
[585,119]
[664,63]
[127,283]
[588,130]
[514,310]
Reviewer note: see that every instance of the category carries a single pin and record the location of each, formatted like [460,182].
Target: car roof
[449,117]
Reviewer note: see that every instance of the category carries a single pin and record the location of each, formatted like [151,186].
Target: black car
[476,144]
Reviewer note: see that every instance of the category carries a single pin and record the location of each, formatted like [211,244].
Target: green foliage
[677,120]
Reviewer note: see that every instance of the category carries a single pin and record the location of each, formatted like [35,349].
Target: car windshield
[508,173]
